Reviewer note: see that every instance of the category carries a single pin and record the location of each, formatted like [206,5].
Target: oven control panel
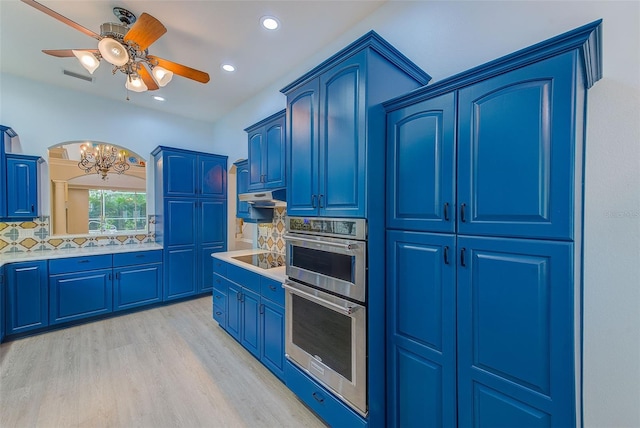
[355,228]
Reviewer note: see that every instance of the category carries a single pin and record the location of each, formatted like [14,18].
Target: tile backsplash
[271,235]
[29,236]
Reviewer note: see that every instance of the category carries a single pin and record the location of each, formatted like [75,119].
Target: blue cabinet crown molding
[187,151]
[369,40]
[265,121]
[587,39]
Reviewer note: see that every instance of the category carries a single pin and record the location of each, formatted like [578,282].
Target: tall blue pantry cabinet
[335,129]
[484,241]
[191,217]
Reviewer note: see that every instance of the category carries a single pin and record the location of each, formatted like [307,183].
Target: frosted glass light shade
[135,84]
[113,51]
[87,60]
[161,75]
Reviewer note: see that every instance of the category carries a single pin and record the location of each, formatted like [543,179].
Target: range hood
[266,198]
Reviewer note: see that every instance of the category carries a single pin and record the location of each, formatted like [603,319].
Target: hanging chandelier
[101,159]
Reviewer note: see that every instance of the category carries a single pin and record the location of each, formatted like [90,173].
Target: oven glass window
[334,265]
[323,333]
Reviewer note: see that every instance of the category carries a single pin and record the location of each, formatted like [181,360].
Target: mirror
[100,202]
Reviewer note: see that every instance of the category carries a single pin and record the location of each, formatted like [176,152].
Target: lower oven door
[326,337]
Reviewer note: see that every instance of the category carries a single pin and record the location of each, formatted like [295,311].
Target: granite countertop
[277,273]
[75,252]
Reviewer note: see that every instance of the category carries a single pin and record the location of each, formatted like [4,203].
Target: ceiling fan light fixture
[135,83]
[113,51]
[161,75]
[87,59]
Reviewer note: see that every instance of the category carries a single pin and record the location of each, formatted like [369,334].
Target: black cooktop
[263,260]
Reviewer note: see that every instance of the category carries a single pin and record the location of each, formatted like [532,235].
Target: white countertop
[75,252]
[277,274]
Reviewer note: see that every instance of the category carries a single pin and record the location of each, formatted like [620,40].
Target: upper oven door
[334,264]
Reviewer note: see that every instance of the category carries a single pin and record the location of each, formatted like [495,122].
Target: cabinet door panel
[180,174]
[515,327]
[212,176]
[242,186]
[342,142]
[213,227]
[22,187]
[273,159]
[516,144]
[137,286]
[302,158]
[180,276]
[250,331]
[272,349]
[80,295]
[180,219]
[27,296]
[255,154]
[234,309]
[421,326]
[421,166]
[205,268]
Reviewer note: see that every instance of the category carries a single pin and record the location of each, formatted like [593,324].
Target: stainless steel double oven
[325,307]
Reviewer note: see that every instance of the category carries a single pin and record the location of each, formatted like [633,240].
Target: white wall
[445,38]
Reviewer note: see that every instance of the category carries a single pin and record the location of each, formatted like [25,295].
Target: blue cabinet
[272,333]
[267,153]
[333,159]
[242,186]
[27,295]
[137,279]
[191,211]
[5,141]
[22,186]
[501,271]
[2,307]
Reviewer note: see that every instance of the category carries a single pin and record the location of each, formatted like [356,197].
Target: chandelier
[101,159]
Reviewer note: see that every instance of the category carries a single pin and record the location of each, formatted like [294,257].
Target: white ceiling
[200,34]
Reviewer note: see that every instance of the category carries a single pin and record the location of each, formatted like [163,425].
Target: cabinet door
[255,156]
[421,141]
[2,294]
[516,152]
[137,286]
[22,187]
[212,224]
[27,295]
[205,268]
[272,332]
[180,174]
[242,186]
[421,329]
[181,221]
[515,333]
[250,321]
[273,154]
[180,272]
[234,309]
[212,176]
[302,155]
[80,295]
[342,136]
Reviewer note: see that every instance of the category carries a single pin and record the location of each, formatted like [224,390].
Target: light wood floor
[166,367]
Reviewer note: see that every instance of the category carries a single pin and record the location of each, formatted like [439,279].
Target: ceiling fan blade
[146,78]
[61,18]
[145,31]
[64,53]
[182,70]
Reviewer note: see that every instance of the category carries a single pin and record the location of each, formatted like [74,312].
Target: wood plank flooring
[170,366]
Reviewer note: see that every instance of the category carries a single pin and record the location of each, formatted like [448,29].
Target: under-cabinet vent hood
[265,199]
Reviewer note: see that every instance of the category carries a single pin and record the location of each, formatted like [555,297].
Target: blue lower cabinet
[27,297]
[272,333]
[80,295]
[2,310]
[137,286]
[250,316]
[333,411]
[234,310]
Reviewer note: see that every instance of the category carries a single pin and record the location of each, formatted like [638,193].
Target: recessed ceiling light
[158,98]
[228,67]
[270,22]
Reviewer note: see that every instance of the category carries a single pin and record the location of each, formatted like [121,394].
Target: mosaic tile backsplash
[29,236]
[271,235]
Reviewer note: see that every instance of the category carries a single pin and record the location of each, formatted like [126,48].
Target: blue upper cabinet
[180,174]
[267,153]
[5,140]
[22,186]
[242,186]
[212,176]
[335,134]
[421,156]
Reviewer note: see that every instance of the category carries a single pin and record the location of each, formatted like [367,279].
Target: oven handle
[345,311]
[318,242]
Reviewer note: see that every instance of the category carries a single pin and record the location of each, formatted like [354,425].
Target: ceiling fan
[125,46]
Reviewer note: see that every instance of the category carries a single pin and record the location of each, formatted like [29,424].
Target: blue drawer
[272,290]
[244,277]
[219,267]
[137,258]
[220,315]
[219,298]
[80,264]
[332,410]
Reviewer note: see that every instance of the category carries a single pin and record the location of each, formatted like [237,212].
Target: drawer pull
[218,313]
[83,261]
[272,287]
[319,398]
[139,256]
